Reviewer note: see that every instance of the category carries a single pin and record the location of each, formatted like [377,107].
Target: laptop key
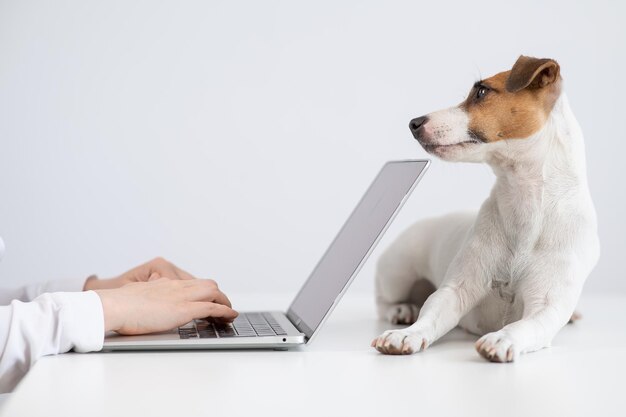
[246,332]
[256,318]
[242,327]
[246,325]
[226,331]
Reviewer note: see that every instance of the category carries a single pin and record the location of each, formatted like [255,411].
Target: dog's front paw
[400,342]
[497,347]
[402,313]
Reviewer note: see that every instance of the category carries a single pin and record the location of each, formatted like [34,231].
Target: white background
[234,138]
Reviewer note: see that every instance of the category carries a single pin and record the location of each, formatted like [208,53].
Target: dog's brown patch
[514,104]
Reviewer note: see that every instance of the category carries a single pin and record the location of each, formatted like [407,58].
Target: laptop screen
[353,244]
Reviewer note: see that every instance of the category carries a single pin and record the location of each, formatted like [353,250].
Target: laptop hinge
[299,324]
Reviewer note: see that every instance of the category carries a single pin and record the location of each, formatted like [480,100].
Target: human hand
[154,269]
[162,304]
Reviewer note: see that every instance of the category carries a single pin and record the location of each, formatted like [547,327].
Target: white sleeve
[30,292]
[52,323]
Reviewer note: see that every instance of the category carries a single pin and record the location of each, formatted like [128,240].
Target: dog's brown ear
[529,72]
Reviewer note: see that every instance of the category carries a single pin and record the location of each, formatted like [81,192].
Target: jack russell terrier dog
[513,272]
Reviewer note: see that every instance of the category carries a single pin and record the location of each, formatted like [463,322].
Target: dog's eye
[481,92]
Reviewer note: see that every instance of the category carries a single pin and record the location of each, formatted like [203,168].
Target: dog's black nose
[416,123]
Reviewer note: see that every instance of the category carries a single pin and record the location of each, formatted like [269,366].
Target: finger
[205,290]
[183,274]
[224,299]
[170,271]
[201,309]
[219,320]
[221,298]
[154,276]
[164,279]
[163,268]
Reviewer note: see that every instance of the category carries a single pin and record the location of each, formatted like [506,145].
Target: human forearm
[50,324]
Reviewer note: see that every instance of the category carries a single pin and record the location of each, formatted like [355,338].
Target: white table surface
[339,374]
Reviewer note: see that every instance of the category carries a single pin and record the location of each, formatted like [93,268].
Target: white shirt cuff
[84,320]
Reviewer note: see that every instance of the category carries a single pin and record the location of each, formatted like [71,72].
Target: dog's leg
[463,288]
[407,310]
[400,291]
[394,279]
[441,313]
[398,313]
[545,313]
[415,264]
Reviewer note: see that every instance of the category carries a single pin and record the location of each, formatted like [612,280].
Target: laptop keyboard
[245,325]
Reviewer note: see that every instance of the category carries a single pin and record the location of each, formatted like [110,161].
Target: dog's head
[513,104]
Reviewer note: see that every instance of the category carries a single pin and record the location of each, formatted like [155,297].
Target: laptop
[320,293]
